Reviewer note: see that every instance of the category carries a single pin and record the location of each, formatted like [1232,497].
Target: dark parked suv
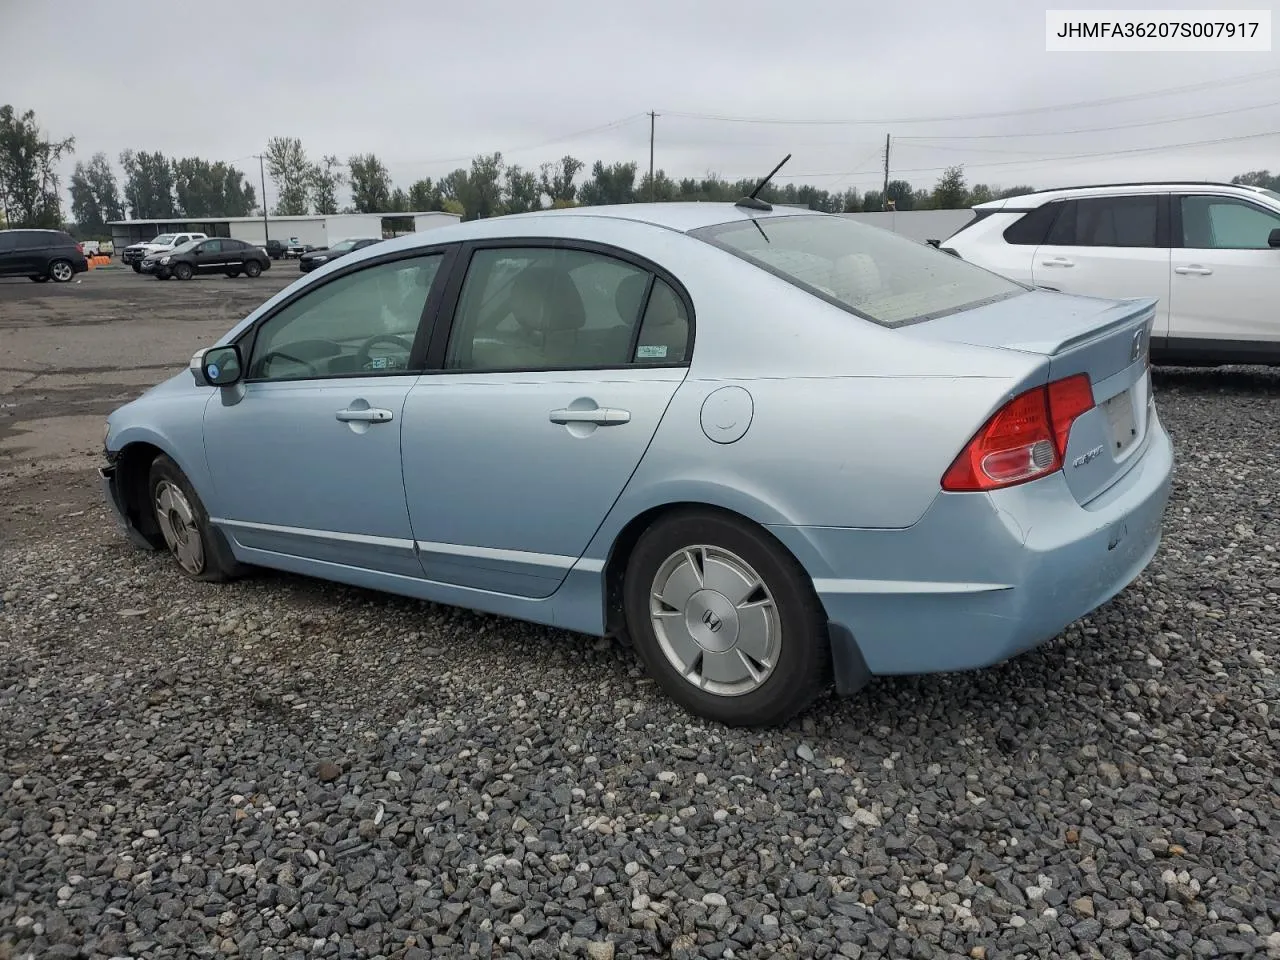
[212,255]
[41,255]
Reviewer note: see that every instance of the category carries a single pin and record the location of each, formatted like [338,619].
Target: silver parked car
[774,448]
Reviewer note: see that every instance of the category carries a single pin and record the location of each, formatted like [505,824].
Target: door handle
[1194,268]
[604,416]
[368,415]
[1058,262]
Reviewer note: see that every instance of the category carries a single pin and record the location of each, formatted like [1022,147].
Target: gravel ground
[282,768]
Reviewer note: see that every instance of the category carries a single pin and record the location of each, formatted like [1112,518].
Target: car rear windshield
[873,273]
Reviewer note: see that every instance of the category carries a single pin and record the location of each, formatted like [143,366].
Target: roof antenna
[751,202]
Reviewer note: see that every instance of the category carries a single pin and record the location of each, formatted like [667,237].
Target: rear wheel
[200,553]
[725,620]
[60,271]
[183,271]
[252,268]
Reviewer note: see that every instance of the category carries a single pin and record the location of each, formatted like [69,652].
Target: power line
[621,121]
[1106,101]
[1019,163]
[1119,126]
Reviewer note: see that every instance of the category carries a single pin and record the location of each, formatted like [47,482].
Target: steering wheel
[264,362]
[362,356]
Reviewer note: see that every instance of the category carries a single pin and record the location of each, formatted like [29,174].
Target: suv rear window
[1032,228]
[872,273]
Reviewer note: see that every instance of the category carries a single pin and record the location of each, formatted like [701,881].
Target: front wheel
[252,268]
[183,271]
[725,620]
[185,526]
[60,271]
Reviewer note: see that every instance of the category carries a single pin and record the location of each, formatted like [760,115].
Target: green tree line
[152,185]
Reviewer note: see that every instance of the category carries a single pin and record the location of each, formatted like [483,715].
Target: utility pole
[884,197]
[262,176]
[652,186]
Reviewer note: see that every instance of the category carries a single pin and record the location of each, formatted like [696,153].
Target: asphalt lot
[284,768]
[70,353]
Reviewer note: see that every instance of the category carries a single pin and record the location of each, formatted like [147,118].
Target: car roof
[1038,198]
[682,216]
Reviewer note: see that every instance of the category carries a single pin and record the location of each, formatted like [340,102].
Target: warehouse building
[316,230]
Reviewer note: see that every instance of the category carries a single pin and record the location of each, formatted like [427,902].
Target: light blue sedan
[777,449]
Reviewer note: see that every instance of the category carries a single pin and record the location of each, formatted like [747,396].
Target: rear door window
[1108,222]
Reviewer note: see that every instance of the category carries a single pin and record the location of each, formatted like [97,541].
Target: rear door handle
[368,415]
[604,416]
[1194,268]
[1058,262]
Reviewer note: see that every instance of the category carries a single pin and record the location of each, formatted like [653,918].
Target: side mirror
[217,366]
[1273,238]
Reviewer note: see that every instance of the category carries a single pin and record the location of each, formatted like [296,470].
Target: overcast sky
[428,85]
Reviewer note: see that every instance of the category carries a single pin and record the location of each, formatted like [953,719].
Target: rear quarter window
[1031,228]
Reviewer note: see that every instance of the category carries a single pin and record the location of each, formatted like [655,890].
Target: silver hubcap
[715,620]
[62,272]
[178,524]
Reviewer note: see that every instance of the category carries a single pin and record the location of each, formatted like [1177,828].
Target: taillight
[1024,440]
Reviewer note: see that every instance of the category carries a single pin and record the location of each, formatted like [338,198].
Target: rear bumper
[984,577]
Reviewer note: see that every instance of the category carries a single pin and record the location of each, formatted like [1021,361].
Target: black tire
[802,664]
[137,267]
[61,271]
[233,272]
[216,564]
[183,271]
[252,268]
[40,279]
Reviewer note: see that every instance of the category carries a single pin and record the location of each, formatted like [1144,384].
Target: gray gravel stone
[251,769]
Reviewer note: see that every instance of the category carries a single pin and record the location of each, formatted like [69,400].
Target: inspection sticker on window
[644,352]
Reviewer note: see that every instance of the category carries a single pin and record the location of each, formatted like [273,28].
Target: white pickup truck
[135,253]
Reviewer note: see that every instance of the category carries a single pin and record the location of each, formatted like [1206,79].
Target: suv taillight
[1026,438]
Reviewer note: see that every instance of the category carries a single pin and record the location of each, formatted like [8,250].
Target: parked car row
[135,253]
[319,257]
[207,255]
[184,255]
[1209,253]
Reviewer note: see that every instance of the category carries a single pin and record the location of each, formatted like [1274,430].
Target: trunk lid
[1108,340]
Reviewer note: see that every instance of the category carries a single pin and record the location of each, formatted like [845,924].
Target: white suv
[1210,252]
